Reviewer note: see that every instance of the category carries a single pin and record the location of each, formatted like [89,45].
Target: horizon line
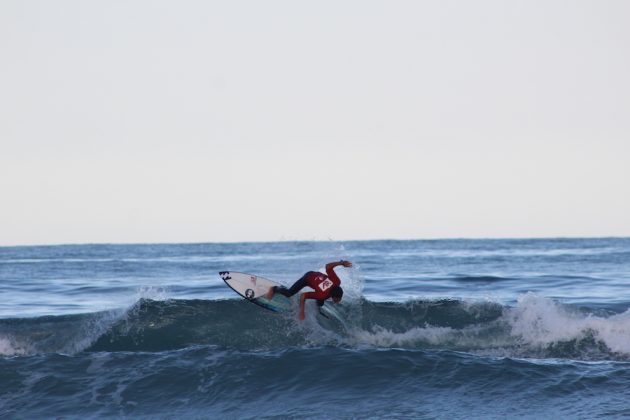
[489,238]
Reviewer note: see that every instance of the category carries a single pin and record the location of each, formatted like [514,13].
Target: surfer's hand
[346,263]
[301,315]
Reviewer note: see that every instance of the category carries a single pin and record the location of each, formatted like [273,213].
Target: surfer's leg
[279,289]
[297,286]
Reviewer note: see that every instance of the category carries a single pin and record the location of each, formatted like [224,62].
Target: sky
[222,121]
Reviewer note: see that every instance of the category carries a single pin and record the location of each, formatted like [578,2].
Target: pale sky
[201,121]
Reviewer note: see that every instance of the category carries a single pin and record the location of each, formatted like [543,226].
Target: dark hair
[336,292]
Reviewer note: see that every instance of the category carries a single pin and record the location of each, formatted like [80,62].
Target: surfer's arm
[330,270]
[332,265]
[303,297]
[302,302]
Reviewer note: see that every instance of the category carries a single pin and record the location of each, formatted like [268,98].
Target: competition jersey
[322,284]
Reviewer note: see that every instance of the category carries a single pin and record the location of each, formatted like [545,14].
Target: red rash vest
[322,284]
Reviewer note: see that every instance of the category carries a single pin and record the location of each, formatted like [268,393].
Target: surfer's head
[336,293]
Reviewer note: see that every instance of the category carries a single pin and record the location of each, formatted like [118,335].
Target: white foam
[382,337]
[8,347]
[151,292]
[540,321]
[529,328]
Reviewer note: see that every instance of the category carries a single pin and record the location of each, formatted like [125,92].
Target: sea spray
[540,322]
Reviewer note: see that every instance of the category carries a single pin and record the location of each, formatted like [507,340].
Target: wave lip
[65,334]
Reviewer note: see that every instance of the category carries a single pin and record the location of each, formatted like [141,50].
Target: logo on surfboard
[249,294]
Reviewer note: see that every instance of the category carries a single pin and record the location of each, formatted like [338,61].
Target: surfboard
[254,288]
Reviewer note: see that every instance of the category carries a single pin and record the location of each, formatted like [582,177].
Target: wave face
[535,327]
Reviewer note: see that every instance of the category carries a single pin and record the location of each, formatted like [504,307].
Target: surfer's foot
[271,292]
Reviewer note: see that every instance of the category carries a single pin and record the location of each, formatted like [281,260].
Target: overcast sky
[169,121]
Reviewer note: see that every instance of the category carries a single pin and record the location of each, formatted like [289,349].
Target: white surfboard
[254,288]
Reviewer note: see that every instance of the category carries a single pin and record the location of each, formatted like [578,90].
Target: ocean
[527,328]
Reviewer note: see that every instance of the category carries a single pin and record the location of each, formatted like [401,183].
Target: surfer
[325,286]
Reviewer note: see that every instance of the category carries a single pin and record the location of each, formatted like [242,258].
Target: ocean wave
[535,327]
[302,382]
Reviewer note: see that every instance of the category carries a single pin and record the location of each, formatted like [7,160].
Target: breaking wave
[535,327]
